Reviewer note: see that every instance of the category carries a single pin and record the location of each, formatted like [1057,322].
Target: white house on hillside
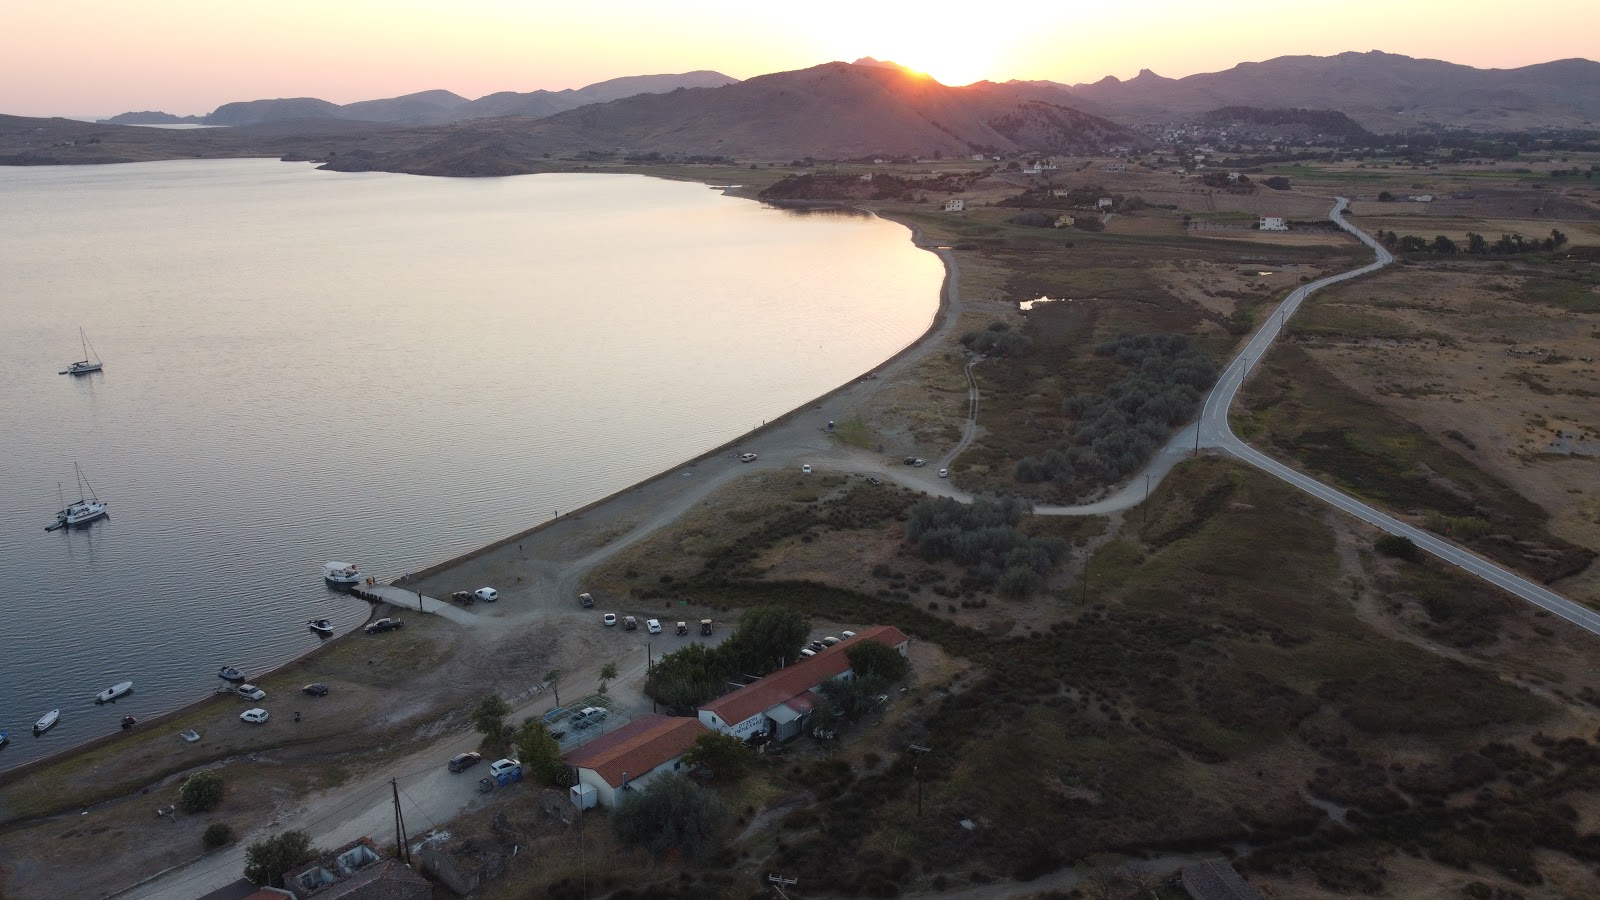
[955,205]
[1273,223]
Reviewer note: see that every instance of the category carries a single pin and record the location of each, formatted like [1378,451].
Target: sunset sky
[101,57]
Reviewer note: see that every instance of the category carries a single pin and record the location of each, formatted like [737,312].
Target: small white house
[955,205]
[978,157]
[1233,176]
[867,177]
[1273,223]
[1104,203]
[1116,167]
[1032,170]
[1065,221]
[1422,198]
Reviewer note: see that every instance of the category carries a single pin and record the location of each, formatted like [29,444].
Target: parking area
[585,719]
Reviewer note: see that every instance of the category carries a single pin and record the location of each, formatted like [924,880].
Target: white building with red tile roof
[778,703]
[631,756]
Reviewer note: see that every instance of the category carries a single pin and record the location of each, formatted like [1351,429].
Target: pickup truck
[384,624]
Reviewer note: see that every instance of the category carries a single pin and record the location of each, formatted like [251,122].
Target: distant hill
[433,107]
[418,107]
[151,117]
[538,104]
[1381,91]
[255,112]
[1320,125]
[832,111]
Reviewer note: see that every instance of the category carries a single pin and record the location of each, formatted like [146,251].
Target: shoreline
[938,320]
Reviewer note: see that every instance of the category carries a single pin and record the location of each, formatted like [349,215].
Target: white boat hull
[47,722]
[114,693]
[340,573]
[82,368]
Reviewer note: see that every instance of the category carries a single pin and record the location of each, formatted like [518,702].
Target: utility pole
[916,771]
[1147,497]
[1085,580]
[1197,435]
[402,845]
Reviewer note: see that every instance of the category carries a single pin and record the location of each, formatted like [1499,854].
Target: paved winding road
[1217,433]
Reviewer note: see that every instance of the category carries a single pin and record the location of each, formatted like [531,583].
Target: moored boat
[189,735]
[46,722]
[113,693]
[340,573]
[84,511]
[5,738]
[230,673]
[90,361]
[323,627]
[128,722]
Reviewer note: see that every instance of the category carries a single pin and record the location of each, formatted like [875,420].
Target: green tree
[671,813]
[850,699]
[553,678]
[540,753]
[201,792]
[1398,546]
[767,637]
[725,755]
[870,658]
[267,860]
[1476,243]
[489,718]
[686,678]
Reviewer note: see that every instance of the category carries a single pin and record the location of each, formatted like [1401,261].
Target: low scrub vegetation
[983,536]
[767,637]
[1116,431]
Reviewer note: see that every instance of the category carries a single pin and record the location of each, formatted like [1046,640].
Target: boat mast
[86,348]
[86,481]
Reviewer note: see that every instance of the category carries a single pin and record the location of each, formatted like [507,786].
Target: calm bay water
[303,366]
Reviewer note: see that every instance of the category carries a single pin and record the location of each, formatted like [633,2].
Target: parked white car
[653,626]
[503,767]
[805,469]
[251,692]
[486,594]
[610,619]
[253,716]
[747,457]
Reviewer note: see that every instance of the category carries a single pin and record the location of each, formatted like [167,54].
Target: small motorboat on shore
[323,627]
[5,738]
[46,722]
[230,673]
[128,722]
[340,573]
[189,735]
[115,692]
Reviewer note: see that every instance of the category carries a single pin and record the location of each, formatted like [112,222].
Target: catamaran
[85,510]
[89,363]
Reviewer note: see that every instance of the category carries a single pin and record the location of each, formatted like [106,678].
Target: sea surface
[303,366]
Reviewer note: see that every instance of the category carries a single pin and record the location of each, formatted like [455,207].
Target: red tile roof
[637,747]
[804,675]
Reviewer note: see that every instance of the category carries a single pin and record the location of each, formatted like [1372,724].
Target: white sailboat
[89,363]
[85,510]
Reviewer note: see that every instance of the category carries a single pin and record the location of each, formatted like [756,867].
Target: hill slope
[831,111]
[1382,91]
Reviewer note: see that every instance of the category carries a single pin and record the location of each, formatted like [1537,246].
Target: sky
[100,57]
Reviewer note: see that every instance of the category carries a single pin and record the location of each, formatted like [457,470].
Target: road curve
[1216,432]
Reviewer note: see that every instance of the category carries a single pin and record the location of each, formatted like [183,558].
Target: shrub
[201,792]
[217,834]
[870,658]
[671,813]
[1398,546]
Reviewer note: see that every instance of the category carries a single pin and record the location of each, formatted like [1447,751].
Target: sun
[954,70]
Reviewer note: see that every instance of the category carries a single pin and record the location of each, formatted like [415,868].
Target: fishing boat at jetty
[89,363]
[113,693]
[46,722]
[323,627]
[340,573]
[230,673]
